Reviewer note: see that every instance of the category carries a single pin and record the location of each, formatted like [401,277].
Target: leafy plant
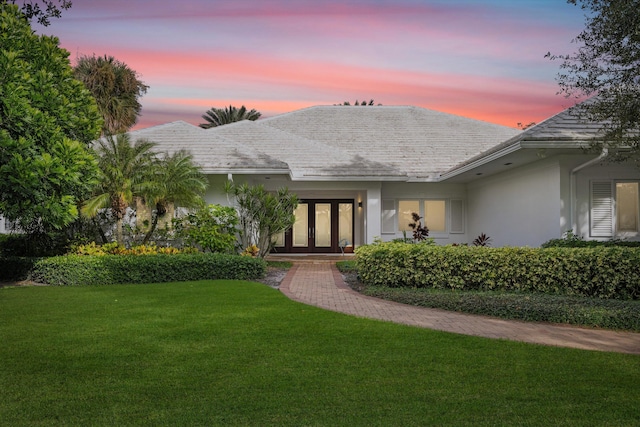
[482,240]
[262,214]
[212,228]
[420,232]
[252,251]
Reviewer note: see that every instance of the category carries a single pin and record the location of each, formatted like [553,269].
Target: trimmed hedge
[530,307]
[71,270]
[604,272]
[14,269]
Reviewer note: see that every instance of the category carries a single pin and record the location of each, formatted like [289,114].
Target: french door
[321,226]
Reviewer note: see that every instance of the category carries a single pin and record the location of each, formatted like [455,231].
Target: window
[614,208]
[626,207]
[433,213]
[435,216]
[405,209]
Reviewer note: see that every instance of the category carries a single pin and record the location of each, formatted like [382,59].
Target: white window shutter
[601,213]
[457,216]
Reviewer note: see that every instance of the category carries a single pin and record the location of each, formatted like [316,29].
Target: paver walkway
[319,283]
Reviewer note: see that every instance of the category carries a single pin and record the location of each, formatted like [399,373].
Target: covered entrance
[322,226]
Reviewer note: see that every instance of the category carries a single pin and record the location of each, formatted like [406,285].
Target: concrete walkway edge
[319,283]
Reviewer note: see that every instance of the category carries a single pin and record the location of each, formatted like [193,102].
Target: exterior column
[373,214]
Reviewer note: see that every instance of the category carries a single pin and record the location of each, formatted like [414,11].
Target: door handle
[312,232]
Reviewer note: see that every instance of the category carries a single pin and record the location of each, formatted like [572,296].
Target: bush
[603,272]
[71,270]
[212,228]
[118,249]
[530,307]
[14,269]
[33,245]
[571,240]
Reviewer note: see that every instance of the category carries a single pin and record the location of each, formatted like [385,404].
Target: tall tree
[606,67]
[116,88]
[47,120]
[49,9]
[126,169]
[175,180]
[222,116]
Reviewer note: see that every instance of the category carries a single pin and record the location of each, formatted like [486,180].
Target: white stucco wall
[517,208]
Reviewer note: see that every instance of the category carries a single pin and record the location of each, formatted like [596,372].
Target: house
[361,171]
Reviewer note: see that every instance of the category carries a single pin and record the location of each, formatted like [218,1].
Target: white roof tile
[337,142]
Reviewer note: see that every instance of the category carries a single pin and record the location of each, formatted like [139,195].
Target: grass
[284,265]
[240,353]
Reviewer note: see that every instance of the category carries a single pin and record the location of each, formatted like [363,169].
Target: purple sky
[482,59]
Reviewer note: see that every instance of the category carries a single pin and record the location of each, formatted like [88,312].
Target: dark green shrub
[112,269]
[33,245]
[211,228]
[531,307]
[571,240]
[14,269]
[603,272]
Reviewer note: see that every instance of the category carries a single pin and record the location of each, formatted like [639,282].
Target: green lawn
[240,353]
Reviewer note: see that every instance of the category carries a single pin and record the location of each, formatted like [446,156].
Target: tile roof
[211,151]
[337,142]
[567,129]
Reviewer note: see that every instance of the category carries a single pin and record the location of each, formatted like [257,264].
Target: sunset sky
[481,59]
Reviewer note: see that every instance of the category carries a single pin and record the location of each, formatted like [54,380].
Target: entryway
[322,226]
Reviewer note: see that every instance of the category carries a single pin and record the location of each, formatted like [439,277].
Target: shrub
[33,245]
[118,249]
[604,272]
[13,269]
[212,228]
[531,307]
[72,270]
[571,240]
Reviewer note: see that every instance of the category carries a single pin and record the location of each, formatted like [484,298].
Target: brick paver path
[319,283]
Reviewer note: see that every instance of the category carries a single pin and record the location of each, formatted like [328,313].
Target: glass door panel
[345,224]
[300,232]
[323,225]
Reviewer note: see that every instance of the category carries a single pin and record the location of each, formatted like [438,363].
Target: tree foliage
[47,120]
[116,88]
[174,180]
[606,67]
[222,116]
[49,9]
[125,172]
[262,214]
[363,103]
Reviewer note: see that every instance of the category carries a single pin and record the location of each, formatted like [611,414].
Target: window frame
[421,206]
[616,230]
[603,207]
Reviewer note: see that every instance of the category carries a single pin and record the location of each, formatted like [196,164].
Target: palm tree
[222,116]
[126,170]
[175,180]
[359,103]
[116,89]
